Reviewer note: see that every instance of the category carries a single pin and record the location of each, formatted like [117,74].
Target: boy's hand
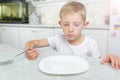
[32,53]
[114,60]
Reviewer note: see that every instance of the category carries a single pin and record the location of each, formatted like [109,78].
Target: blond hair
[73,7]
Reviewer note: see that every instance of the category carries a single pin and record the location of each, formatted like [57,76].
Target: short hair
[72,7]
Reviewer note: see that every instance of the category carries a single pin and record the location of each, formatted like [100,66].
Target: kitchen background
[47,11]
[42,21]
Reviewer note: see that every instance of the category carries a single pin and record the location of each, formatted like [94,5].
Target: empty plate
[63,65]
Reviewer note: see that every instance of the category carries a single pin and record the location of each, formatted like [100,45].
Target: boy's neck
[78,41]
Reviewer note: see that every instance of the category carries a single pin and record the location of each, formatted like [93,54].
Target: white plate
[63,64]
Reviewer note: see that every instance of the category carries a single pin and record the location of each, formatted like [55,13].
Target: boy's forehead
[77,14]
[74,15]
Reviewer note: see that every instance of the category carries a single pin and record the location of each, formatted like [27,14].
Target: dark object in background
[13,11]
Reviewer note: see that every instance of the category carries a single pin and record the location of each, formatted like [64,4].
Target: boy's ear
[86,23]
[59,22]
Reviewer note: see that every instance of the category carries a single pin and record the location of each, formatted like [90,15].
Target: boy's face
[72,25]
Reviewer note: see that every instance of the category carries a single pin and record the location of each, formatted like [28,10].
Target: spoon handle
[35,46]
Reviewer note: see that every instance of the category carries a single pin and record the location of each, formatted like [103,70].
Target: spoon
[10,61]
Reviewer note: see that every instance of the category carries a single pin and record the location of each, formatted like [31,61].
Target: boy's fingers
[113,63]
[106,59]
[32,54]
[118,64]
[29,50]
[29,47]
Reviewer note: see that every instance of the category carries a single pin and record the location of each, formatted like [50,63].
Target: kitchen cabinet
[27,34]
[0,35]
[9,36]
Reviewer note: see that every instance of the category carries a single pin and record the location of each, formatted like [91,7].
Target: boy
[72,21]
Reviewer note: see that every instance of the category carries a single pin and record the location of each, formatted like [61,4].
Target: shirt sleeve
[52,41]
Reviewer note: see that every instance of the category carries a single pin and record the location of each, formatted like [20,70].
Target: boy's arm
[41,43]
[32,53]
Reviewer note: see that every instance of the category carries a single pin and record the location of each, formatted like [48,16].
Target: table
[24,69]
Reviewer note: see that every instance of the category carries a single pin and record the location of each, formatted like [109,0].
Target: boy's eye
[65,25]
[77,24]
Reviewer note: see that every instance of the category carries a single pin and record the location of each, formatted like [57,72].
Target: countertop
[103,27]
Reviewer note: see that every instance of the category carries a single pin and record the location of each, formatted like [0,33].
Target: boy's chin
[71,38]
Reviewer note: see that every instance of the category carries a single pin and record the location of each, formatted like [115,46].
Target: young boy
[72,22]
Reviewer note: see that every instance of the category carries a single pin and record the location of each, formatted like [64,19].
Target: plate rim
[51,73]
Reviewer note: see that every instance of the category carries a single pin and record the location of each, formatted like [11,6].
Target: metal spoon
[10,61]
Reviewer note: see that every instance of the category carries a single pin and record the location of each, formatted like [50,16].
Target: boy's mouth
[70,35]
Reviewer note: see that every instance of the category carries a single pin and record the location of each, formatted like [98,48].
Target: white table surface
[24,69]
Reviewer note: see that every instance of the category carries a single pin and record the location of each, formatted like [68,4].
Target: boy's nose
[70,29]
